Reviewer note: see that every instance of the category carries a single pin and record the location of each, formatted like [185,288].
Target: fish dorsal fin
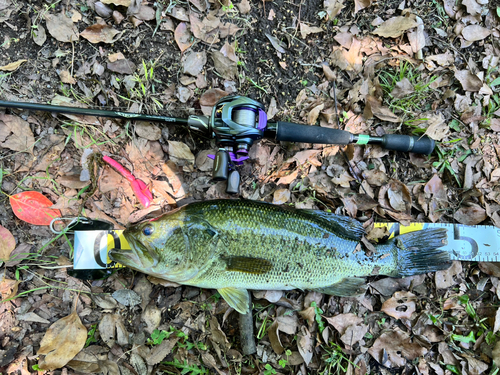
[344,226]
[256,266]
[347,287]
[238,299]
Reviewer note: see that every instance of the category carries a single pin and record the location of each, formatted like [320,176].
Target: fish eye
[147,230]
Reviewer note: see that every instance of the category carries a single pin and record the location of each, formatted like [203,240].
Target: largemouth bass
[236,245]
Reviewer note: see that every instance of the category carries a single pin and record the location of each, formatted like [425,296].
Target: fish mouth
[138,257]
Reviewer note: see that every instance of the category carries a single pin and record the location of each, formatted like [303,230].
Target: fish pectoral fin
[347,287]
[256,266]
[238,299]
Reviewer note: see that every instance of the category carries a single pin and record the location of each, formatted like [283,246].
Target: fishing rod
[236,122]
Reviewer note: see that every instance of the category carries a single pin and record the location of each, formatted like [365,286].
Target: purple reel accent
[261,125]
[234,157]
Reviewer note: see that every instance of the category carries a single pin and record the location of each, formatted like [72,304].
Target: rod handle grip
[288,131]
[408,143]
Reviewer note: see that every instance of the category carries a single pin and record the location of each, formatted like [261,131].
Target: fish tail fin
[418,252]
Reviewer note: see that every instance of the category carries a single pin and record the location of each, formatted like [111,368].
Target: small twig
[246,331]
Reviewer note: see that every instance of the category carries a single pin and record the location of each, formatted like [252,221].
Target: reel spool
[236,123]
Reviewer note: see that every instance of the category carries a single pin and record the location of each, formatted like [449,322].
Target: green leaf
[466,339]
[496,82]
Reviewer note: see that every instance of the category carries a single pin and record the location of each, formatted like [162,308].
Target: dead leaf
[473,214]
[400,306]
[66,77]
[375,108]
[115,56]
[442,59]
[445,279]
[274,338]
[100,33]
[437,128]
[112,330]
[277,44]
[394,349]
[281,196]
[211,97]
[473,8]
[8,288]
[124,3]
[244,7]
[12,66]
[272,296]
[183,36]
[39,35]
[61,27]
[468,80]
[145,13]
[7,244]
[342,321]
[180,153]
[16,134]
[227,68]
[361,4]
[403,88]
[147,130]
[305,30]
[333,7]
[312,117]
[272,110]
[229,51]
[305,344]
[473,33]
[194,62]
[123,66]
[396,26]
[62,341]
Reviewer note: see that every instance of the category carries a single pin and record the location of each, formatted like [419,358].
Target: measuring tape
[472,243]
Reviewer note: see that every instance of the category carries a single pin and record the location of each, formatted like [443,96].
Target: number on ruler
[474,248]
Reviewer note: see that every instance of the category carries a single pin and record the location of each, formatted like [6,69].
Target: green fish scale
[304,252]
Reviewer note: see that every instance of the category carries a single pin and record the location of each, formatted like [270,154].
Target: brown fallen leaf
[244,7]
[212,96]
[61,27]
[194,62]
[7,244]
[468,80]
[123,66]
[183,36]
[375,108]
[400,306]
[8,287]
[473,214]
[227,68]
[12,66]
[62,341]
[396,26]
[16,134]
[305,30]
[394,348]
[473,33]
[312,117]
[473,8]
[305,344]
[333,7]
[39,35]
[147,130]
[180,153]
[445,278]
[403,88]
[66,77]
[124,3]
[437,128]
[361,4]
[100,33]
[281,196]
